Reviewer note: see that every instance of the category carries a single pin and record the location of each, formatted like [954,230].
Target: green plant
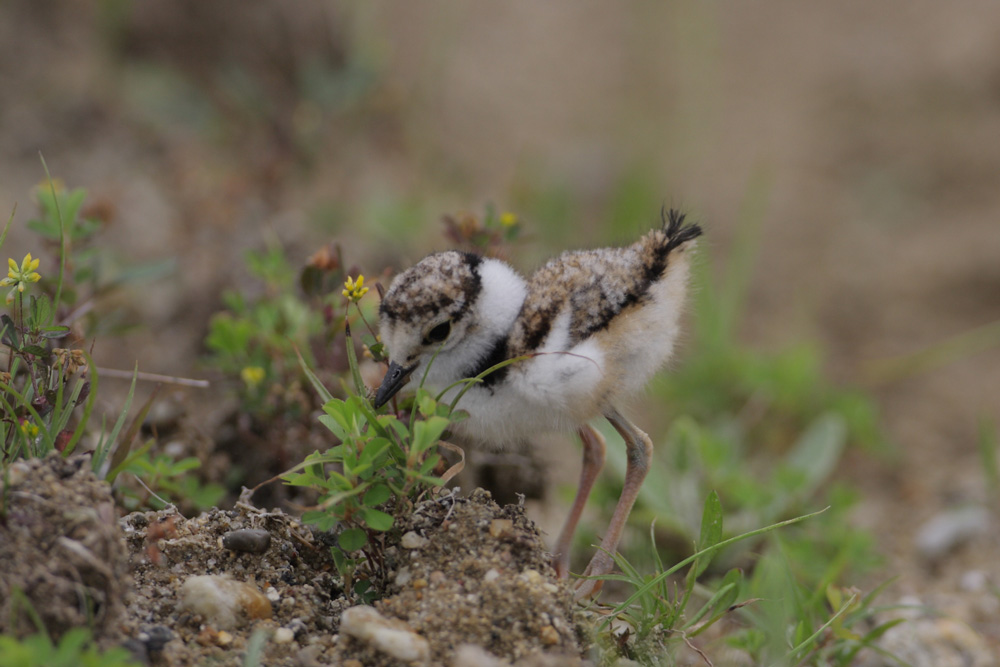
[163,475]
[787,624]
[795,624]
[75,649]
[38,393]
[382,462]
[258,340]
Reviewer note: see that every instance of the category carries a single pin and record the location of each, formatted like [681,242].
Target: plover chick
[587,331]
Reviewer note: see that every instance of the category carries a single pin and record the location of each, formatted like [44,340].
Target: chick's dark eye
[438,333]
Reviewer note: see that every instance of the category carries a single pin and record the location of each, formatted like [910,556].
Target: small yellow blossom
[252,375]
[47,186]
[29,429]
[355,289]
[508,219]
[19,276]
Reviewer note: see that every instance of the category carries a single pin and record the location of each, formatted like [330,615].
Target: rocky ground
[465,581]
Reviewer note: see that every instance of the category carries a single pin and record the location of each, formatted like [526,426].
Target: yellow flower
[29,429]
[354,289]
[252,375]
[19,276]
[508,219]
[48,186]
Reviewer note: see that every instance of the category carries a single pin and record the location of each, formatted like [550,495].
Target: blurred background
[844,159]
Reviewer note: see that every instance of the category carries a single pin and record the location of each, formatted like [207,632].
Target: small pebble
[946,530]
[156,638]
[532,577]
[309,657]
[283,636]
[249,540]
[470,655]
[17,472]
[272,594]
[222,601]
[501,527]
[298,626]
[390,636]
[974,581]
[549,635]
[206,637]
[403,577]
[411,540]
[420,583]
[492,574]
[223,638]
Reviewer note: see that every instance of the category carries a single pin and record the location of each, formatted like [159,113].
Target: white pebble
[411,540]
[390,636]
[947,530]
[973,581]
[532,576]
[283,636]
[222,601]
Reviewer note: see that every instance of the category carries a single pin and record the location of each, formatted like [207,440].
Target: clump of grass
[74,649]
[770,616]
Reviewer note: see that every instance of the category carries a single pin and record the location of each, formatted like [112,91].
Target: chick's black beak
[395,378]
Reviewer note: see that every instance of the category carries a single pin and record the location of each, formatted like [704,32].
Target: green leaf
[377,495]
[54,332]
[373,450]
[323,521]
[334,426]
[734,577]
[41,311]
[718,604]
[9,335]
[818,450]
[426,403]
[429,464]
[345,413]
[377,519]
[352,539]
[426,433]
[352,361]
[711,531]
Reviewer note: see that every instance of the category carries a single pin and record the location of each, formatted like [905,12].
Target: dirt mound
[62,550]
